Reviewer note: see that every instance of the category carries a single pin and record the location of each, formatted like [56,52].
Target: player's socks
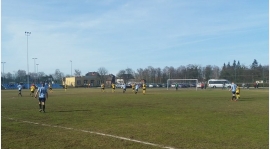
[39,106]
[43,108]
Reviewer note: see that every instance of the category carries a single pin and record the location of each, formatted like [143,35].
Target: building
[92,78]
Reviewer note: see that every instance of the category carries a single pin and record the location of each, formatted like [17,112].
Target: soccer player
[32,90]
[113,87]
[65,87]
[50,87]
[133,87]
[102,87]
[42,96]
[144,88]
[237,92]
[20,89]
[176,86]
[124,88]
[233,89]
[136,88]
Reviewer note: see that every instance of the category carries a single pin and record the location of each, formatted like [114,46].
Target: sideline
[92,132]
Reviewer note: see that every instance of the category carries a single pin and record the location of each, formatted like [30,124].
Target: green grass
[177,119]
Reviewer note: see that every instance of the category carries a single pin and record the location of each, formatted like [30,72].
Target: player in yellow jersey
[237,92]
[113,87]
[32,90]
[133,87]
[65,87]
[102,87]
[144,88]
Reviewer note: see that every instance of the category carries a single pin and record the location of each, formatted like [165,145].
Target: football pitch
[81,118]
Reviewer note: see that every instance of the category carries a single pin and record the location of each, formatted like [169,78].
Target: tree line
[232,72]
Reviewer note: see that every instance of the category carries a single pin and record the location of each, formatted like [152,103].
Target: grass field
[86,118]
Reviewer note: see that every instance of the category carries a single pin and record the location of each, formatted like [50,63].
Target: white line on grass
[92,132]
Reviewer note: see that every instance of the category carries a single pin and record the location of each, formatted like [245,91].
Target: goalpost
[182,82]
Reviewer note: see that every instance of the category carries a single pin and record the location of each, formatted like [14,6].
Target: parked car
[192,85]
[164,85]
[128,86]
[183,85]
[151,85]
[119,85]
[159,85]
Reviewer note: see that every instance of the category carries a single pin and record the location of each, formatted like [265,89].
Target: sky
[117,34]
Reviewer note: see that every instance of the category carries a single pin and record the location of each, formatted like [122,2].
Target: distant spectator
[202,85]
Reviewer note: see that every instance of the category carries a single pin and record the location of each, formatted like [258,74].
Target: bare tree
[77,72]
[41,74]
[102,74]
[58,75]
[120,73]
[158,74]
[126,74]
[215,72]
[21,75]
[139,74]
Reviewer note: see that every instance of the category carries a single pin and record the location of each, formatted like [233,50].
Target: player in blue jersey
[233,89]
[42,94]
[136,88]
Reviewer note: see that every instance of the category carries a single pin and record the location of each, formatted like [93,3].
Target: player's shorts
[233,93]
[41,99]
[32,91]
[50,88]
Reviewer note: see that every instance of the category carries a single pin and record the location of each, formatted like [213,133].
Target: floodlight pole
[34,64]
[71,68]
[3,63]
[37,72]
[37,67]
[27,34]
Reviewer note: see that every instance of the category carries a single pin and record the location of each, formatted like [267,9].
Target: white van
[219,83]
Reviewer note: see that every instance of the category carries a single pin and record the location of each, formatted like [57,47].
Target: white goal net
[182,83]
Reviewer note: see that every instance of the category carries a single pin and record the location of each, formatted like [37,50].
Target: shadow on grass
[245,99]
[71,111]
